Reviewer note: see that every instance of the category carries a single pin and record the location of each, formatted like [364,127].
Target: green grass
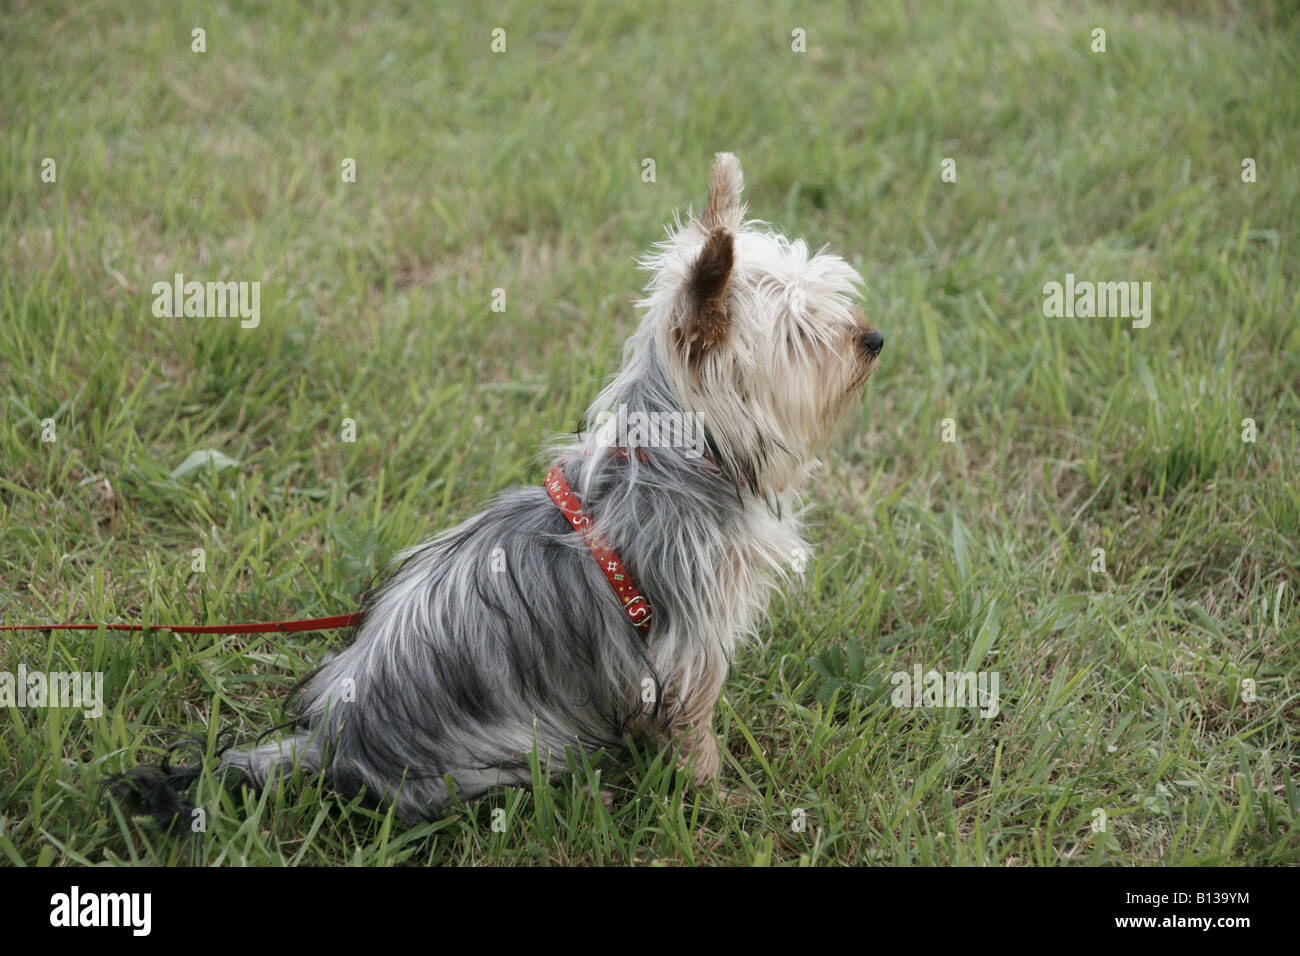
[1121,691]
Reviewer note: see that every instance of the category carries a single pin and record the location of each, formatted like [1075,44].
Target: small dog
[607,602]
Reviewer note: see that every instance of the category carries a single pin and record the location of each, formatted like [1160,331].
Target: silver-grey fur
[503,634]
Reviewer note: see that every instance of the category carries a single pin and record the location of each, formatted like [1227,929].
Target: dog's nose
[874,341]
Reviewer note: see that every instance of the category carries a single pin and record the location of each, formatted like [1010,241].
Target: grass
[1121,692]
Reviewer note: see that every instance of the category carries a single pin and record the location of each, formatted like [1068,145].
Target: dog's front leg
[691,736]
[699,755]
[690,728]
[697,749]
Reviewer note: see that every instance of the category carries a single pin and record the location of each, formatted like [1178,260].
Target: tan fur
[723,209]
[692,733]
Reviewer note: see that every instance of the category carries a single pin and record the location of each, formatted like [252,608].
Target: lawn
[1077,504]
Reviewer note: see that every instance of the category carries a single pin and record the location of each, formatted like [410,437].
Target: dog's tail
[162,790]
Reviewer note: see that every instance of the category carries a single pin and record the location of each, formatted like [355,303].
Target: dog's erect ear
[706,321]
[723,209]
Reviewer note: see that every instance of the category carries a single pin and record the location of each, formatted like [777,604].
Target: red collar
[635,606]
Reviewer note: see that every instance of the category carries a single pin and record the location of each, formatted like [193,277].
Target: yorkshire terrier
[606,603]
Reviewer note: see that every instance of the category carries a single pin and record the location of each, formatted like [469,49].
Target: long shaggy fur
[502,635]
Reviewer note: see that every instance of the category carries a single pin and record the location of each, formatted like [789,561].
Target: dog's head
[760,338]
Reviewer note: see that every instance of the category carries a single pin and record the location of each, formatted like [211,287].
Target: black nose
[873,341]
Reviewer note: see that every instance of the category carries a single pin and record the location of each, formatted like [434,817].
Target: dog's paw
[731,798]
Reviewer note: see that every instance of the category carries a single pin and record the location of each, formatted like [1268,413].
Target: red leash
[264,627]
[635,606]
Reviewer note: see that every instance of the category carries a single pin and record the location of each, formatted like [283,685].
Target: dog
[607,603]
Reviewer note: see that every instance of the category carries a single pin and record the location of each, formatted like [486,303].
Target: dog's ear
[723,210]
[707,321]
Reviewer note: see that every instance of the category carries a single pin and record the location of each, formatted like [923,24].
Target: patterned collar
[635,606]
